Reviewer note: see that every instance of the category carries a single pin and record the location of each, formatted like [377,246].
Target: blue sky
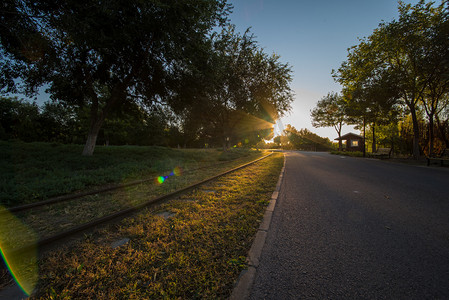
[313,37]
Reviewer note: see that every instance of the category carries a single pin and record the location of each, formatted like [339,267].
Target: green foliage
[58,123]
[277,140]
[136,126]
[304,140]
[237,95]
[401,67]
[348,153]
[108,65]
[18,119]
[103,56]
[330,111]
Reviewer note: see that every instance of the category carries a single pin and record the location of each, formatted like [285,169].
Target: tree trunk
[340,144]
[442,130]
[92,135]
[374,138]
[392,143]
[364,136]
[431,136]
[416,151]
[97,115]
[225,144]
[338,129]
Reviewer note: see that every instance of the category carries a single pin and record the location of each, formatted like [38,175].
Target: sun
[278,128]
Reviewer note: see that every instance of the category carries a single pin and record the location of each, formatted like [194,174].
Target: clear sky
[313,37]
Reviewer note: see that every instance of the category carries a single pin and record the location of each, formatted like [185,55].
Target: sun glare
[22,265]
[278,128]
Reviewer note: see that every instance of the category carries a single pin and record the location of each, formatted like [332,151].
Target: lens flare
[22,266]
[177,171]
[278,128]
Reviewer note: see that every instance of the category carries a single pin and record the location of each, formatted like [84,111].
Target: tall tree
[434,66]
[330,111]
[238,84]
[396,51]
[373,102]
[103,53]
[18,119]
[442,120]
[304,139]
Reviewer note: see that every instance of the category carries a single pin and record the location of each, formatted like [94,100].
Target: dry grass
[196,250]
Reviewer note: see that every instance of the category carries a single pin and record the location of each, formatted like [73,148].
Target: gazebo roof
[349,136]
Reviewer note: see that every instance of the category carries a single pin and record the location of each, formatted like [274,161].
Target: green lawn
[31,172]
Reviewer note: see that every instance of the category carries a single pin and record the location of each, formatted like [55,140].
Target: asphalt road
[353,228]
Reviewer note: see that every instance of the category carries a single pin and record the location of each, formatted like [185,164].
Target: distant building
[354,142]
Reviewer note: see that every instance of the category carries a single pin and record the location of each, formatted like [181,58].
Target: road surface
[354,228]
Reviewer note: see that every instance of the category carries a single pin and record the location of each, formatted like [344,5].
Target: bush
[348,153]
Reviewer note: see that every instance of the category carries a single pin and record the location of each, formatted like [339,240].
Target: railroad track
[73,196]
[122,213]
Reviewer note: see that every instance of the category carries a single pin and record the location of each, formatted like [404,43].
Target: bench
[444,156]
[381,152]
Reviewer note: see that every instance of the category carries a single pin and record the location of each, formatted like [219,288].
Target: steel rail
[73,196]
[99,221]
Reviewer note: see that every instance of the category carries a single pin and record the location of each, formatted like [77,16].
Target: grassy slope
[197,253]
[31,172]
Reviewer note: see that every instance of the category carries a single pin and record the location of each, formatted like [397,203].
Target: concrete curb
[245,282]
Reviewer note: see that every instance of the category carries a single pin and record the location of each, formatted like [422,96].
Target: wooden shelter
[354,142]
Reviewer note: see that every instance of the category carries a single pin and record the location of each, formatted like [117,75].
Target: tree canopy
[118,60]
[303,139]
[239,93]
[401,66]
[330,111]
[102,54]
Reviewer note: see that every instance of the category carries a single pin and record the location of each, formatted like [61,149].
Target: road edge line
[244,284]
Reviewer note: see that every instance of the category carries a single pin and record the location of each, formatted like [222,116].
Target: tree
[330,111]
[304,139]
[103,54]
[277,139]
[238,90]
[18,119]
[135,125]
[435,66]
[397,53]
[373,102]
[61,123]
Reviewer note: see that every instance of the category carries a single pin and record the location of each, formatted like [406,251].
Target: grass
[48,220]
[402,159]
[196,253]
[348,153]
[31,172]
